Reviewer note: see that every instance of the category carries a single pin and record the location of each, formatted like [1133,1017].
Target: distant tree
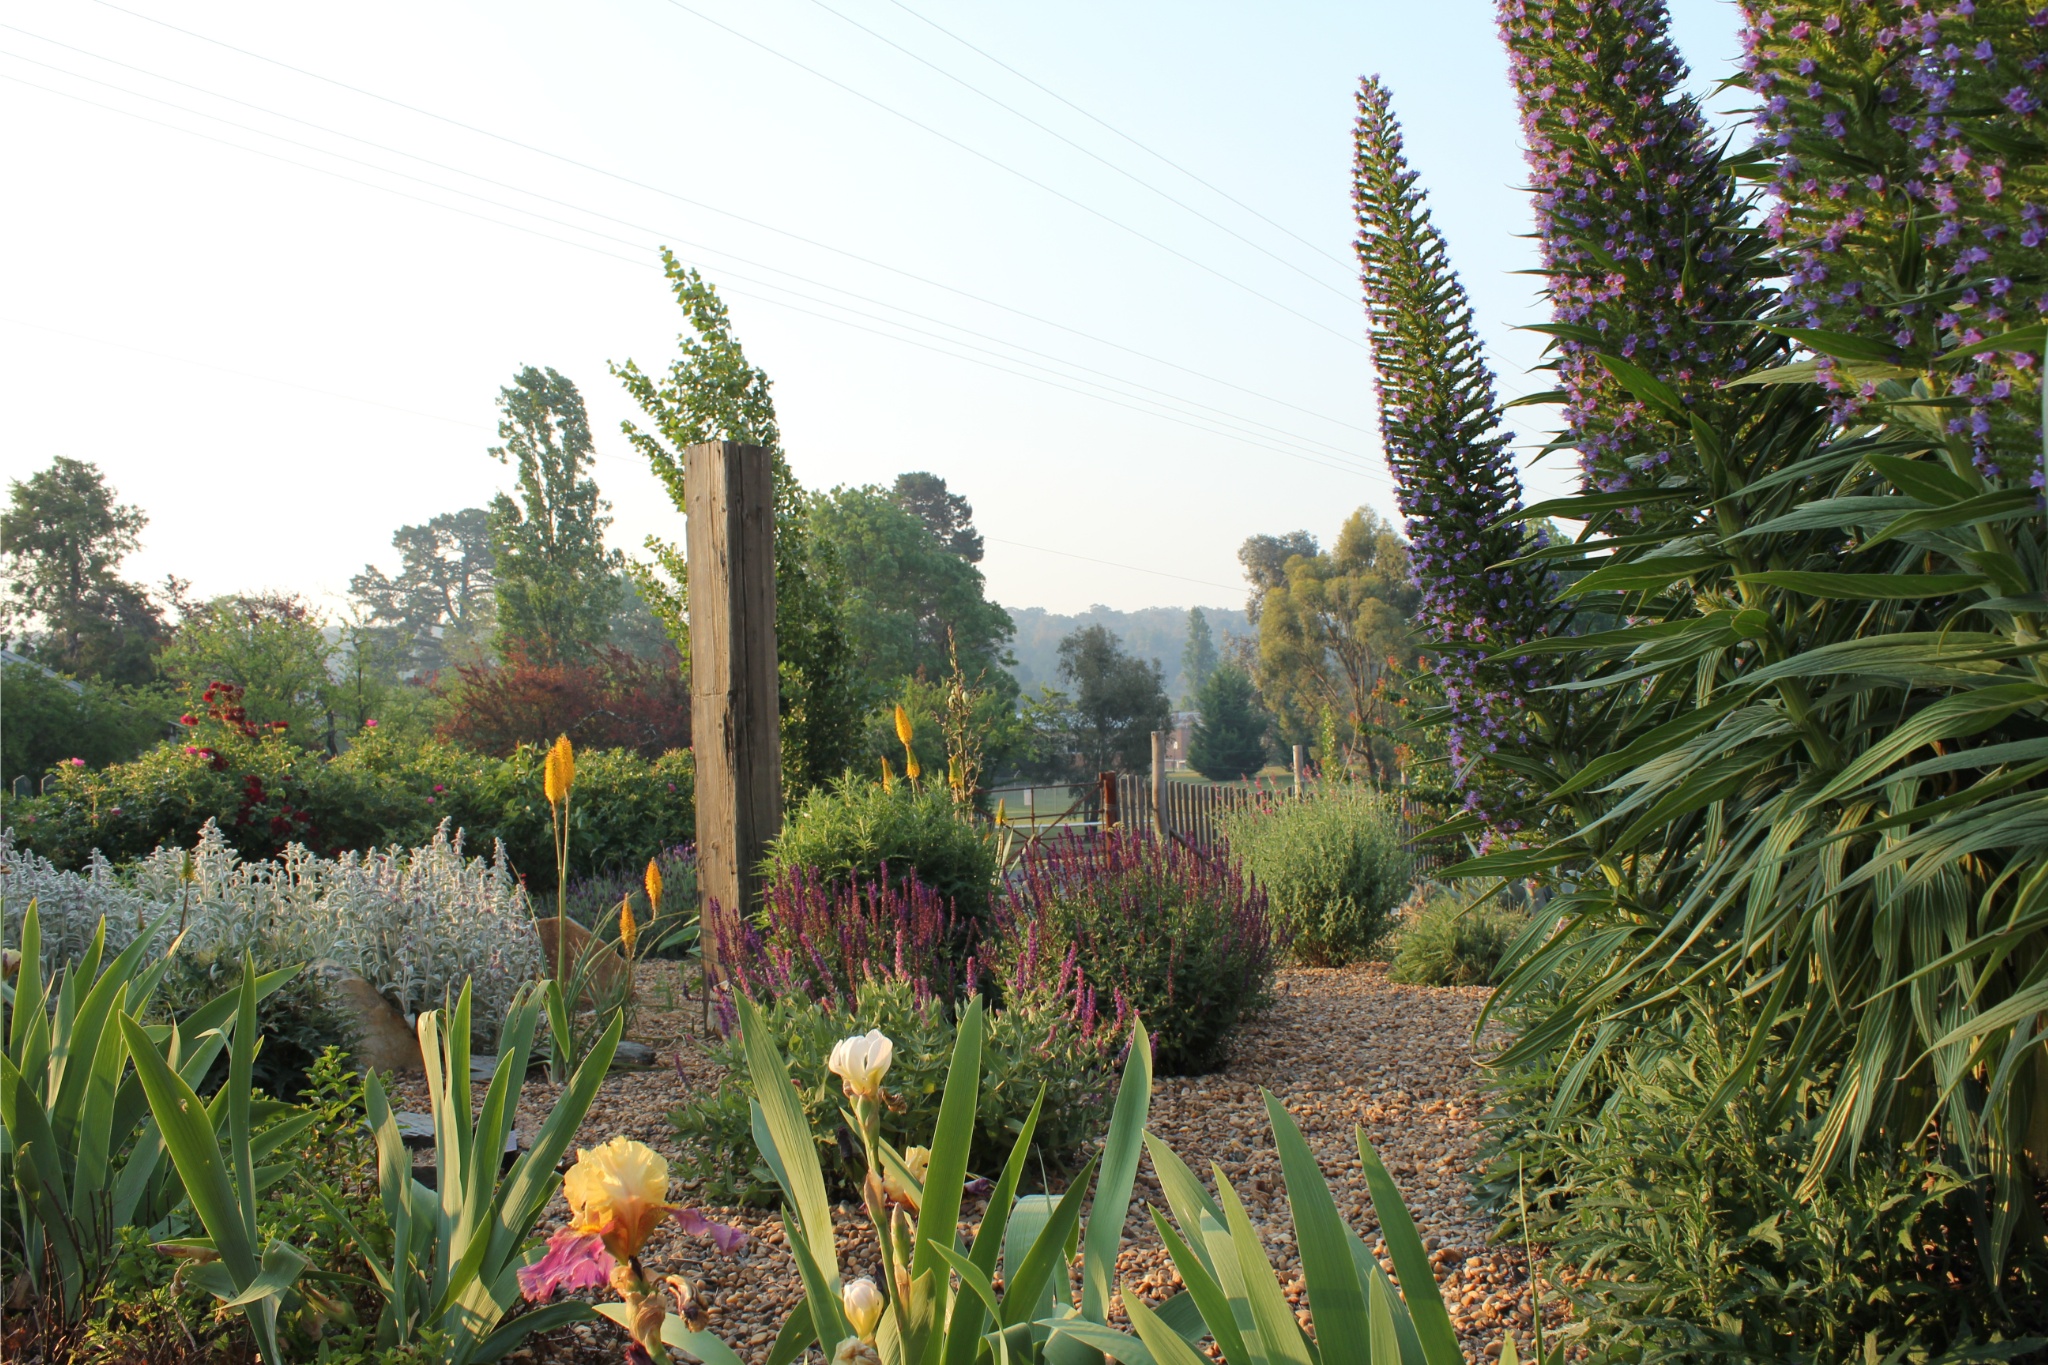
[557,585]
[905,590]
[443,603]
[1330,634]
[1230,738]
[712,393]
[272,645]
[1118,701]
[1265,564]
[1198,656]
[637,630]
[948,514]
[64,537]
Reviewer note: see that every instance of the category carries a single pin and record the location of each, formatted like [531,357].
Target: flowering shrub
[1173,933]
[823,942]
[1332,866]
[1048,1040]
[264,794]
[613,701]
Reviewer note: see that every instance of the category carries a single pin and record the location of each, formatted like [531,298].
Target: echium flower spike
[1639,223]
[1440,425]
[1896,120]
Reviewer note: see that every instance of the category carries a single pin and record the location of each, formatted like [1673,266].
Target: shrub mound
[1333,867]
[853,830]
[1449,941]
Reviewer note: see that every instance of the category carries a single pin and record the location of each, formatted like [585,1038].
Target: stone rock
[384,1042]
[633,1056]
[417,1132]
[607,968]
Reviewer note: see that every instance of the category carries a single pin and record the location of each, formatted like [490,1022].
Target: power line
[1085,151]
[1106,397]
[713,208]
[1104,123]
[1004,166]
[1253,425]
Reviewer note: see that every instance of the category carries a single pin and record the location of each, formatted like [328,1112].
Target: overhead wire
[1089,152]
[1007,168]
[1106,397]
[1254,427]
[1164,159]
[755,223]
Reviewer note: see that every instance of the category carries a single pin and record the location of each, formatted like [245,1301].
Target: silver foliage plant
[414,922]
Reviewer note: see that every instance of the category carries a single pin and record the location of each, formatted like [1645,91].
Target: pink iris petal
[728,1239]
[575,1260]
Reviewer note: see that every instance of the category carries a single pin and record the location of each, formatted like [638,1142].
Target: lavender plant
[822,941]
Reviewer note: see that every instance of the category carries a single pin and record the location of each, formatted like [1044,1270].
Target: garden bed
[1342,1047]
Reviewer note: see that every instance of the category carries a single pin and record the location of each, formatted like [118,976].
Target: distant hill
[1150,633]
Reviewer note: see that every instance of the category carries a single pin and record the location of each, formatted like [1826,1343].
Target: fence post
[1297,770]
[1107,781]
[1159,829]
[735,731]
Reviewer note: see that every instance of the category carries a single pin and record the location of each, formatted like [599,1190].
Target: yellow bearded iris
[618,1192]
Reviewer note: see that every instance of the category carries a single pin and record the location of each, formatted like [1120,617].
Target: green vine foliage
[1799,769]
[711,393]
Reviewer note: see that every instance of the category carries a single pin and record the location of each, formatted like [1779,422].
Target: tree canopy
[1229,740]
[950,516]
[64,537]
[443,602]
[906,589]
[1198,656]
[1118,701]
[557,585]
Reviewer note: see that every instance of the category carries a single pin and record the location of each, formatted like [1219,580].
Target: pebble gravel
[1341,1048]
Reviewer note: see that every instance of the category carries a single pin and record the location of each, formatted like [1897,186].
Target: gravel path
[1341,1048]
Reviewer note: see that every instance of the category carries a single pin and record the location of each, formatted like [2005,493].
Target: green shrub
[1449,941]
[1173,933]
[51,719]
[1687,1226]
[849,831]
[1333,867]
[264,794]
[1031,1044]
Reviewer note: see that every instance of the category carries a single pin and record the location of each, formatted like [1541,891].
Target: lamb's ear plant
[81,1154]
[225,1187]
[456,1250]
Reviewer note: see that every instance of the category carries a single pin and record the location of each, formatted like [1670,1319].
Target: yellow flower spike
[653,883]
[558,774]
[888,777]
[1002,811]
[903,730]
[910,768]
[618,1191]
[628,930]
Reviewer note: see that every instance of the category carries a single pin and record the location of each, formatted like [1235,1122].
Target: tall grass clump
[1333,867]
[1176,934]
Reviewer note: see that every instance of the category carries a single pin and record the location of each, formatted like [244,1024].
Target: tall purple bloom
[1440,425]
[1910,195]
[1638,222]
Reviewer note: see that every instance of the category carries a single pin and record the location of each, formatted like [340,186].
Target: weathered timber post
[1297,770]
[1108,783]
[729,502]
[1159,830]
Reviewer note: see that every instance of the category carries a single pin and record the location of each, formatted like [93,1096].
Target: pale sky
[1119,315]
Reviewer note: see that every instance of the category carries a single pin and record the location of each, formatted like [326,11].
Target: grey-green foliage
[557,584]
[1334,865]
[712,393]
[1448,940]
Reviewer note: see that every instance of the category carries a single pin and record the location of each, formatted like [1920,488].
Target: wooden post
[735,728]
[1297,770]
[1159,784]
[1109,801]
